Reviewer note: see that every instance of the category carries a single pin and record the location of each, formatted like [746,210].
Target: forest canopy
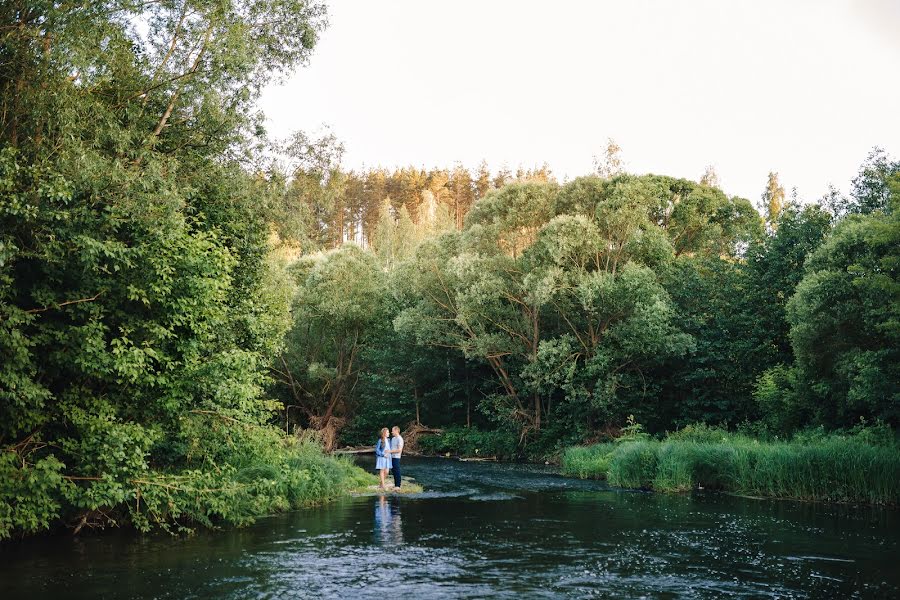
[550,312]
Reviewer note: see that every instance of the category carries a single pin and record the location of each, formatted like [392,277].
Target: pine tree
[375,191]
[406,237]
[463,191]
[483,183]
[502,177]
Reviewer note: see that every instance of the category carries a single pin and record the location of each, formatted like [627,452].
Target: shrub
[460,441]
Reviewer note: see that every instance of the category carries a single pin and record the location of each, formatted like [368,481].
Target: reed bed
[836,469]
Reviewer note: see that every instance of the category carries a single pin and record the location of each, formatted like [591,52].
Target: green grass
[835,469]
[587,462]
[285,474]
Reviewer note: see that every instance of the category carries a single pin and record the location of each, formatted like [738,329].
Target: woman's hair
[383,431]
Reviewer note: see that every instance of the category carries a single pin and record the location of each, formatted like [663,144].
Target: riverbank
[833,469]
[283,473]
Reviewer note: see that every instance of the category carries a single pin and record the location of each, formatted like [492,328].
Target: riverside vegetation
[860,467]
[177,289]
[140,300]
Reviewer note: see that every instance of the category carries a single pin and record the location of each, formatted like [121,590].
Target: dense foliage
[563,309]
[140,305]
[172,296]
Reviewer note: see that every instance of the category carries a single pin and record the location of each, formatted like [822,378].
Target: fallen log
[358,450]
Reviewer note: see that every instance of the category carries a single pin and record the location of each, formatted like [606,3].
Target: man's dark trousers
[395,467]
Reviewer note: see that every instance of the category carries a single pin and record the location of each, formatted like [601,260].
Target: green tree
[138,302]
[509,218]
[462,190]
[339,301]
[870,190]
[483,183]
[844,322]
[775,265]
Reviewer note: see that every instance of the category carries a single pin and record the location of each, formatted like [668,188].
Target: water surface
[494,530]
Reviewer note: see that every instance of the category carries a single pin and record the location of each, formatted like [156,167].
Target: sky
[803,88]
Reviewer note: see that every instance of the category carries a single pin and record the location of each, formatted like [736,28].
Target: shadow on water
[494,530]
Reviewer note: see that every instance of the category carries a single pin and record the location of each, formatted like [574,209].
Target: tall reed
[837,469]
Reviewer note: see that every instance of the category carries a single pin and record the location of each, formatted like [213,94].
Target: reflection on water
[488,530]
[388,525]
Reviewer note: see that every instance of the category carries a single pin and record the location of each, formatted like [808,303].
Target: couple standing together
[387,455]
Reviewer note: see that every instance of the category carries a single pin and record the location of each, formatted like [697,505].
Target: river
[483,529]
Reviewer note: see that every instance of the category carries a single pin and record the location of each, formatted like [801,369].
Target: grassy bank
[834,469]
[276,473]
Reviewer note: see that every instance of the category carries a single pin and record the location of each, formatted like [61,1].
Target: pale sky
[801,87]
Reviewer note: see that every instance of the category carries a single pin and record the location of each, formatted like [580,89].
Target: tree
[339,301]
[772,200]
[615,319]
[870,190]
[483,183]
[503,176]
[137,297]
[434,217]
[375,190]
[696,219]
[714,382]
[384,239]
[775,265]
[610,164]
[509,218]
[710,178]
[538,298]
[844,318]
[462,191]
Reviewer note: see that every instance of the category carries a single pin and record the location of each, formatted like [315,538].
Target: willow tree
[610,320]
[540,298]
[337,305]
[509,218]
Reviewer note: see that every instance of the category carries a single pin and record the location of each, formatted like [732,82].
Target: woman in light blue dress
[382,458]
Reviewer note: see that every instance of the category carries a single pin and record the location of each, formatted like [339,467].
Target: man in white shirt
[395,452]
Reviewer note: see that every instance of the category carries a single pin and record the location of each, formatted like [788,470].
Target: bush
[700,432]
[461,441]
[265,472]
